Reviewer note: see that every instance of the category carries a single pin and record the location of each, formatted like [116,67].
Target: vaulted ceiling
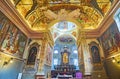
[37,16]
[40,13]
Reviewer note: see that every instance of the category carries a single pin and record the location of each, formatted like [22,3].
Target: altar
[64,69]
[64,76]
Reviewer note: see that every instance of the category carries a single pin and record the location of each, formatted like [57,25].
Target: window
[75,62]
[55,61]
[117,18]
[75,51]
[56,51]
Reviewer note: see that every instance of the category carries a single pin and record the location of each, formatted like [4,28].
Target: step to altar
[39,76]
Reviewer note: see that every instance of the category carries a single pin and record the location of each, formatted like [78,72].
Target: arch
[65,35]
[66,39]
[65,44]
[95,52]
[33,50]
[51,24]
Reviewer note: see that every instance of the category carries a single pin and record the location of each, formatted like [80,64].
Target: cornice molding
[109,19]
[8,12]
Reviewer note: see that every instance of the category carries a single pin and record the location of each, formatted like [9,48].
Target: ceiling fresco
[64,27]
[40,13]
[65,40]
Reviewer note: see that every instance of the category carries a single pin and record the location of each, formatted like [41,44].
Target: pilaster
[42,56]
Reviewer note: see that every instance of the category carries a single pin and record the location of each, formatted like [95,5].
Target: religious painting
[8,43]
[32,56]
[20,43]
[4,24]
[49,55]
[66,39]
[95,52]
[110,40]
[65,58]
[13,41]
[2,20]
[63,25]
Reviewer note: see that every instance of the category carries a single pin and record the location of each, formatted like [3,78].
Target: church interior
[59,39]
